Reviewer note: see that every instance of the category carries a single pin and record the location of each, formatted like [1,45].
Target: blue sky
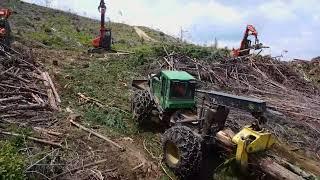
[292,25]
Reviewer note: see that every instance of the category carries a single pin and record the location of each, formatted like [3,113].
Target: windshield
[182,90]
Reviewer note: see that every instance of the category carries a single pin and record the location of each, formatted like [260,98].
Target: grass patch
[57,32]
[107,80]
[111,118]
[11,162]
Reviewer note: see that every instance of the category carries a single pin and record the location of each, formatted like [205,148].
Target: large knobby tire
[141,105]
[182,151]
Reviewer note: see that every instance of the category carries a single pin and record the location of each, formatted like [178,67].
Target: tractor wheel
[141,105]
[182,151]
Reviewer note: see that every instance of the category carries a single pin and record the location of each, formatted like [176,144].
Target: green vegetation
[57,32]
[11,162]
[106,80]
[193,51]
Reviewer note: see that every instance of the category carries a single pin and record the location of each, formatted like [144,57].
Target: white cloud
[276,10]
[229,44]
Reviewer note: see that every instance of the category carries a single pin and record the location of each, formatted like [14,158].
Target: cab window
[182,90]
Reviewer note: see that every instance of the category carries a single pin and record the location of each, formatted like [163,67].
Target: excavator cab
[104,41]
[5,30]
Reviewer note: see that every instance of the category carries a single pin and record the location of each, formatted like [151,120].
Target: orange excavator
[5,29]
[246,44]
[104,40]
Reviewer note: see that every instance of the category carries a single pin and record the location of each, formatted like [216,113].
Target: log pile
[25,91]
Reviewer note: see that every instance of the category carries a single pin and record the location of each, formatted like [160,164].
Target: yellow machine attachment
[248,141]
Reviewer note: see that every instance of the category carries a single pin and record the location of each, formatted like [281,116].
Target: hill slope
[58,29]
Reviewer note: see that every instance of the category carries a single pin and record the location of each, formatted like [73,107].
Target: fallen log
[10,99]
[96,134]
[284,151]
[47,131]
[15,107]
[53,87]
[37,99]
[51,98]
[276,171]
[266,164]
[33,139]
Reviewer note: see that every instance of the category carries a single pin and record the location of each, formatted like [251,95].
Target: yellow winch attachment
[248,141]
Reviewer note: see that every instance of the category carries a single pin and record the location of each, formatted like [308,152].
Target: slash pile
[293,102]
[26,93]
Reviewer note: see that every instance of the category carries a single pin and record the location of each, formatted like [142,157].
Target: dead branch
[51,98]
[83,167]
[165,171]
[28,168]
[53,87]
[15,107]
[47,131]
[33,139]
[10,99]
[18,77]
[138,166]
[96,134]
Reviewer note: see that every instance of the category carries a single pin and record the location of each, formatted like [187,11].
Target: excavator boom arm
[245,45]
[102,9]
[250,30]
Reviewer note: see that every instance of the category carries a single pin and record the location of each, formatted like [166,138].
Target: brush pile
[309,69]
[25,91]
[293,102]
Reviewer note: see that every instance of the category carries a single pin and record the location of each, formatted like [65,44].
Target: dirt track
[143,35]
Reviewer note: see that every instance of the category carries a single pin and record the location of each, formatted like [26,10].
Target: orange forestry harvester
[103,42]
[5,29]
[246,44]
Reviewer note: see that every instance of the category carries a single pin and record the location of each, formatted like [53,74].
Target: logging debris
[26,92]
[54,144]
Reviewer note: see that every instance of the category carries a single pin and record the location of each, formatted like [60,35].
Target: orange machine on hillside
[5,29]
[246,44]
[104,40]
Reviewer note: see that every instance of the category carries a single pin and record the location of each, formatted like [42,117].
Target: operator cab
[174,89]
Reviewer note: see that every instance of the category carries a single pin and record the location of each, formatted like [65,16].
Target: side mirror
[156,79]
